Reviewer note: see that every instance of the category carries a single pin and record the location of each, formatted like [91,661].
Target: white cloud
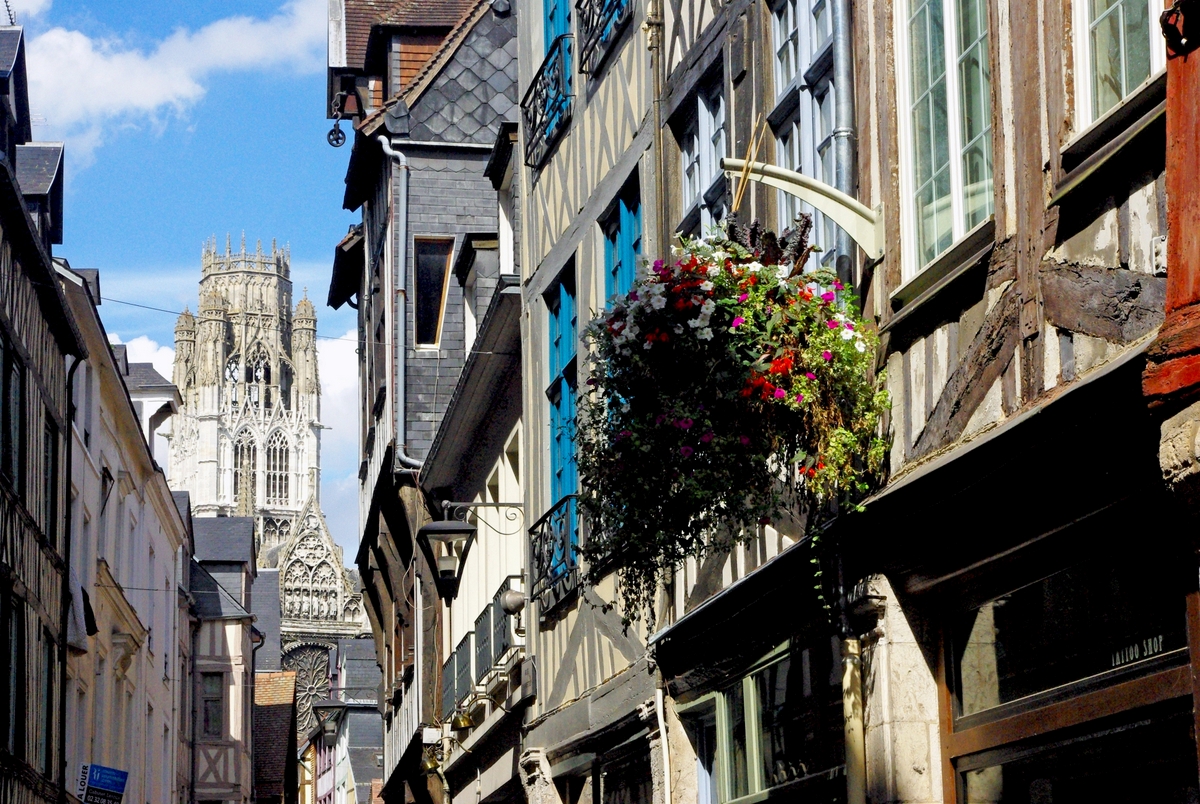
[144,350]
[338,367]
[85,87]
[24,9]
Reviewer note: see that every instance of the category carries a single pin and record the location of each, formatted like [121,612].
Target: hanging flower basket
[728,388]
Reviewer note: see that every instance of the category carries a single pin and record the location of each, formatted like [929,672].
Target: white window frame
[1082,34]
[702,144]
[785,25]
[910,265]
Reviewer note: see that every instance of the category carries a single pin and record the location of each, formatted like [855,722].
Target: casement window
[778,728]
[1117,47]
[944,86]
[277,469]
[48,671]
[622,242]
[803,119]
[702,146]
[212,704]
[1074,683]
[432,267]
[50,480]
[12,415]
[562,324]
[14,698]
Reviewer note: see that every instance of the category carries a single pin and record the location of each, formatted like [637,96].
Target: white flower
[658,301]
[678,329]
[706,286]
[696,322]
[646,344]
[754,267]
[708,307]
[705,334]
[860,345]
[847,334]
[720,256]
[712,270]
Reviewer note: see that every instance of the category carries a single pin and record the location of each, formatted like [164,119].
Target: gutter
[403,461]
[65,614]
[844,132]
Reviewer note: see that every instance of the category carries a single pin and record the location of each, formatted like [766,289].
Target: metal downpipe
[844,131]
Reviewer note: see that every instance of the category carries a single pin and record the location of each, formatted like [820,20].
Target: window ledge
[1114,122]
[956,261]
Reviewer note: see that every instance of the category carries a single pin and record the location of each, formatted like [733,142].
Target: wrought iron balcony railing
[547,105]
[600,23]
[555,562]
[494,636]
[456,677]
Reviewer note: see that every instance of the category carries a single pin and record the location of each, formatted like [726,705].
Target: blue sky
[188,119]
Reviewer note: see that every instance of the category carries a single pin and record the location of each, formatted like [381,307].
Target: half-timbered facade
[37,335]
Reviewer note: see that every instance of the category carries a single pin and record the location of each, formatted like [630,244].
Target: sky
[188,119]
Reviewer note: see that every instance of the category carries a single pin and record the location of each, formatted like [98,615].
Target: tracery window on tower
[233,370]
[285,385]
[258,380]
[277,469]
[245,461]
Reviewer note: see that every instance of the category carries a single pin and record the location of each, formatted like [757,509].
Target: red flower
[782,365]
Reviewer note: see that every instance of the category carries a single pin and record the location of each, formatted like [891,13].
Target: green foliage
[725,390]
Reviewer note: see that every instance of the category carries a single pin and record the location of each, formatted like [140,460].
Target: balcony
[547,105]
[495,639]
[600,24]
[554,565]
[457,677]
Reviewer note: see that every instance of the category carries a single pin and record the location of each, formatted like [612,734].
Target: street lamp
[328,713]
[454,537]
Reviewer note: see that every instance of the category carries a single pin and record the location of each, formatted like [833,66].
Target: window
[778,727]
[233,372]
[277,469]
[786,29]
[701,147]
[48,705]
[258,380]
[212,703]
[12,415]
[245,461]
[622,242]
[50,480]
[14,674]
[946,124]
[1117,49]
[562,315]
[432,267]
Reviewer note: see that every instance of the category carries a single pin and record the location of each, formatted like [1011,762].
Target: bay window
[946,125]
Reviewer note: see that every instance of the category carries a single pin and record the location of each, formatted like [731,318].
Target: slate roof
[10,46]
[38,165]
[212,601]
[91,277]
[183,501]
[469,86]
[144,377]
[266,608]
[224,538]
[274,731]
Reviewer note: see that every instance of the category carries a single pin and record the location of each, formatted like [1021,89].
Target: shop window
[779,728]
[432,266]
[946,125]
[1094,623]
[622,242]
[1118,49]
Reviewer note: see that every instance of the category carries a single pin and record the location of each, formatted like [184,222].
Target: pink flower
[744,439]
[810,375]
[743,297]
[780,393]
[706,437]
[828,296]
[737,322]
[799,397]
[849,325]
[828,355]
[633,296]
[684,424]
[838,285]
[831,324]
[686,451]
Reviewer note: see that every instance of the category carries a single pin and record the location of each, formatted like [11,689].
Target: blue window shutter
[631,241]
[561,393]
[612,263]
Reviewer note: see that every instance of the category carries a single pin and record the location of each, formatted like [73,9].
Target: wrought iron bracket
[461,510]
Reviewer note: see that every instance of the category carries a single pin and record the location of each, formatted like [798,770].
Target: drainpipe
[844,137]
[662,739]
[852,698]
[66,587]
[403,459]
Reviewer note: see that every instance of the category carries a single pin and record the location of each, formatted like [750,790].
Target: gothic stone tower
[247,442]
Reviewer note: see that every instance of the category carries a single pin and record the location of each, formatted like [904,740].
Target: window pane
[739,772]
[702,730]
[974,76]
[432,264]
[931,131]
[214,683]
[1107,85]
[801,717]
[1150,760]
[1081,622]
[1136,15]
